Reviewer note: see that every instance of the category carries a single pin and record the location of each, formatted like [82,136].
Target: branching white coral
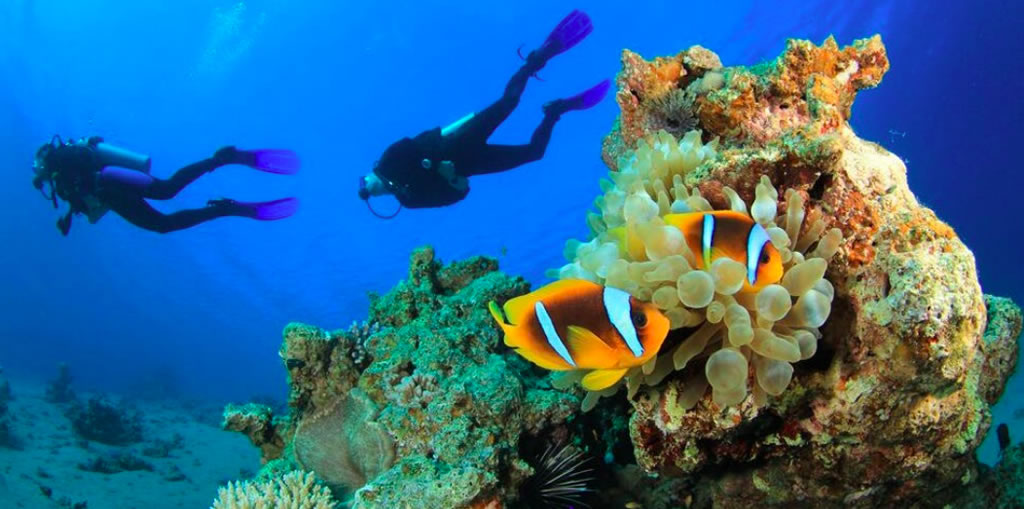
[734,327]
[295,490]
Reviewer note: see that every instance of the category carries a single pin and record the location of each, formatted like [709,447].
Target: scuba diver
[95,177]
[431,169]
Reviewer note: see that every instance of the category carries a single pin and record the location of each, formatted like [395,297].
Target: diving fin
[581,101]
[569,32]
[260,210]
[281,162]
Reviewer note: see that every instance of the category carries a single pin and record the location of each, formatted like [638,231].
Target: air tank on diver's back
[111,155]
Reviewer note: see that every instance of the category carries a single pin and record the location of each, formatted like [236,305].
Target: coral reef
[859,372]
[105,422]
[295,490]
[425,403]
[59,390]
[885,404]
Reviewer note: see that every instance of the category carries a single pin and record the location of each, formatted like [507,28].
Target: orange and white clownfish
[721,233]
[575,324]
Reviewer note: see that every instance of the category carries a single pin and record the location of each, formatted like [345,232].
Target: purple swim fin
[584,100]
[273,210]
[261,210]
[283,162]
[569,32]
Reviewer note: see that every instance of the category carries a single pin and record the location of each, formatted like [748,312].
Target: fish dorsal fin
[587,348]
[601,379]
[685,221]
[517,309]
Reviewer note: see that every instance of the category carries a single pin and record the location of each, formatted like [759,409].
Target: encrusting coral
[294,490]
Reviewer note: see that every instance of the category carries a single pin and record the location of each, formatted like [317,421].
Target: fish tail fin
[499,316]
[496,312]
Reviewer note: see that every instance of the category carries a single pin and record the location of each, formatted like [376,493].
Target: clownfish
[721,233]
[575,324]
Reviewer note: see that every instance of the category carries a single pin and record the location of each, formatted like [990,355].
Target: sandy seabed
[45,470]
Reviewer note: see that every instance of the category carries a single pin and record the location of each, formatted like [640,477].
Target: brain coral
[886,407]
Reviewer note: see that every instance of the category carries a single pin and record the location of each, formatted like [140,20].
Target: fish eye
[765,258]
[639,319]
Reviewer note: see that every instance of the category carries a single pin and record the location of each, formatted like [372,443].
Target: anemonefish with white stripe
[722,233]
[574,324]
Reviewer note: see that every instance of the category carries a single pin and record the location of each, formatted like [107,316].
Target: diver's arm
[64,223]
[457,181]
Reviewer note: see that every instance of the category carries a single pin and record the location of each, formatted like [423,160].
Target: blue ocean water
[338,82]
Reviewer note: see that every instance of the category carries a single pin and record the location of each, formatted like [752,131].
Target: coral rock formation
[258,423]
[425,405]
[896,397]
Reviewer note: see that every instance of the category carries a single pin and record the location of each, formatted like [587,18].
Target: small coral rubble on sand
[109,423]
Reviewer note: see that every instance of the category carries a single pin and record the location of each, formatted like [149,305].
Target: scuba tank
[111,155]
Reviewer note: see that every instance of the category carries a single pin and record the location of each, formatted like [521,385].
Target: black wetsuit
[417,185]
[78,176]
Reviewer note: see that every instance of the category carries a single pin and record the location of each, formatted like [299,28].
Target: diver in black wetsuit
[431,169]
[94,177]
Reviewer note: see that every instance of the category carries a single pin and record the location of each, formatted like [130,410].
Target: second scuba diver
[430,170]
[95,177]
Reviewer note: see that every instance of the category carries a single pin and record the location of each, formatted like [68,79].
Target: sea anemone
[723,320]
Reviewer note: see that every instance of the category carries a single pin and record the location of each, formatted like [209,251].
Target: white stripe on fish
[551,334]
[616,305]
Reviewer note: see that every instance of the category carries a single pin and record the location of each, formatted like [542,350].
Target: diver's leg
[569,32]
[165,189]
[282,162]
[497,158]
[484,123]
[136,211]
